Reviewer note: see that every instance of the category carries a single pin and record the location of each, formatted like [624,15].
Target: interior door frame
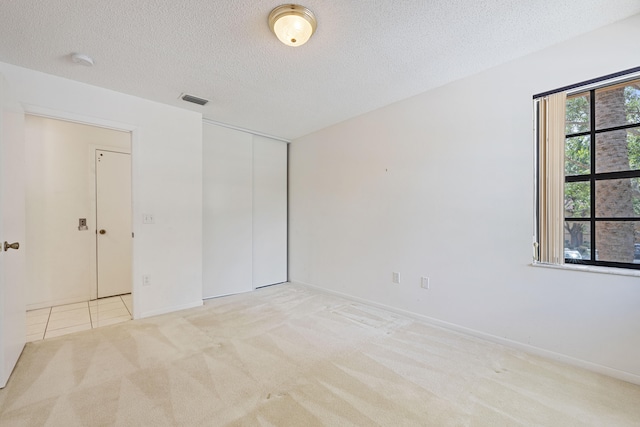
[134,130]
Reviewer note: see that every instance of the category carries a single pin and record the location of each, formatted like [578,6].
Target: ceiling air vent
[194,99]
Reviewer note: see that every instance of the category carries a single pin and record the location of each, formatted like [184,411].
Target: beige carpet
[290,356]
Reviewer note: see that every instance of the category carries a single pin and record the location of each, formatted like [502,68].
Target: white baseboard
[171,309]
[527,348]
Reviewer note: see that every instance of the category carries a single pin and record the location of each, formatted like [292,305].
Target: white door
[113,222]
[12,220]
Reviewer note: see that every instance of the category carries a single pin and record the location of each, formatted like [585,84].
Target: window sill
[590,269]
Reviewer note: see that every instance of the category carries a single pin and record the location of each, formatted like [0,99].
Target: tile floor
[65,319]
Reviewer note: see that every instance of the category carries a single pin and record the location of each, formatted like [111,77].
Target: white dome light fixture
[292,24]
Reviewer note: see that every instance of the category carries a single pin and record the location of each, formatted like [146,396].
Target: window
[588,174]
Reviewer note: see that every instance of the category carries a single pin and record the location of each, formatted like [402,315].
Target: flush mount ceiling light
[82,59]
[292,24]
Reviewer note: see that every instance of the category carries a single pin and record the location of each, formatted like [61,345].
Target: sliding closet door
[227,211]
[269,211]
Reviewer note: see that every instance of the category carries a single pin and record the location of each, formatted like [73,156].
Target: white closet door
[227,211]
[269,211]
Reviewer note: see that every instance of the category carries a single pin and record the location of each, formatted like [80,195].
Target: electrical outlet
[146,280]
[148,219]
[424,282]
[395,277]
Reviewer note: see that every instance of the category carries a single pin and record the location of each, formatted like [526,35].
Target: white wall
[60,175]
[167,180]
[441,185]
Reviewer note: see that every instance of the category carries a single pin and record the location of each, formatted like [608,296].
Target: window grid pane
[618,150]
[617,105]
[577,240]
[578,114]
[577,155]
[618,241]
[577,200]
[617,198]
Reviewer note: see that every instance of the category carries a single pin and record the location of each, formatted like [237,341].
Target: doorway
[72,194]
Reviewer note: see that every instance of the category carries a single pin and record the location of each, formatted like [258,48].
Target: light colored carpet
[291,356]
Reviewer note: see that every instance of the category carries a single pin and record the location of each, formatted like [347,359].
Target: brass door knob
[8,246]
[103,231]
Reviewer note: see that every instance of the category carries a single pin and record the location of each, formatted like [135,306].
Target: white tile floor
[65,319]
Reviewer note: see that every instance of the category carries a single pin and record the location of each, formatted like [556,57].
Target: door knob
[8,245]
[103,231]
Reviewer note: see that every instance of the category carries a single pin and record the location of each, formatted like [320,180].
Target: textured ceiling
[364,55]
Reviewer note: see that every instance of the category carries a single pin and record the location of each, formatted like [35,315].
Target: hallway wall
[60,176]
